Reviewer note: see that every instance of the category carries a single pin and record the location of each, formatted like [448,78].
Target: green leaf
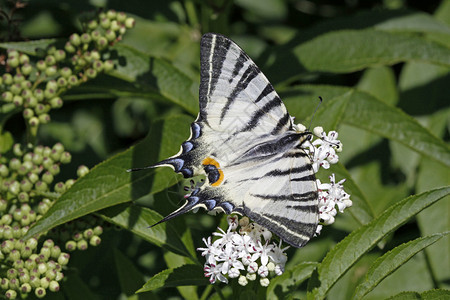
[360,241]
[153,74]
[130,278]
[353,50]
[185,275]
[109,184]
[30,47]
[139,221]
[6,141]
[427,295]
[287,283]
[391,261]
[366,112]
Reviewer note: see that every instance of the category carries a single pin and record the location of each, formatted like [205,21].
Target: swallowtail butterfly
[245,143]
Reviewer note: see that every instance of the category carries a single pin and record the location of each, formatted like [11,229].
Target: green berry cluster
[35,86]
[27,191]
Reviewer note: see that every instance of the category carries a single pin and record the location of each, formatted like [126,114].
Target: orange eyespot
[215,174]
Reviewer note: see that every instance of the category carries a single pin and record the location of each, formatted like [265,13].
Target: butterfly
[245,142]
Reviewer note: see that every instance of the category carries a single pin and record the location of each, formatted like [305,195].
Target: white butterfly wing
[244,142]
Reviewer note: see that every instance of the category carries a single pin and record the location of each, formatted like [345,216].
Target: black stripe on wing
[296,196]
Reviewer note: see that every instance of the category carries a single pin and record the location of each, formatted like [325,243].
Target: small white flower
[279,269]
[251,276]
[277,254]
[264,282]
[213,272]
[225,237]
[263,271]
[234,273]
[242,280]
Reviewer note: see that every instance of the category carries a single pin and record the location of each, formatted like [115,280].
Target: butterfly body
[244,141]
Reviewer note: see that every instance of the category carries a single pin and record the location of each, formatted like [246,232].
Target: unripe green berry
[32,177]
[47,177]
[54,169]
[13,62]
[31,102]
[95,240]
[4,283]
[24,277]
[14,187]
[62,82]
[16,88]
[69,183]
[33,122]
[7,96]
[40,291]
[24,59]
[110,35]
[49,93]
[129,23]
[55,251]
[71,245]
[60,187]
[56,102]
[73,80]
[4,171]
[18,101]
[39,94]
[3,205]
[82,170]
[105,23]
[41,186]
[102,42]
[14,255]
[75,39]
[121,17]
[26,252]
[50,60]
[65,72]
[41,65]
[60,55]
[26,69]
[108,65]
[42,268]
[40,109]
[58,148]
[28,165]
[111,14]
[88,233]
[12,273]
[59,276]
[82,245]
[11,294]
[69,47]
[23,197]
[92,24]
[95,35]
[44,118]
[7,79]
[53,286]
[6,220]
[17,232]
[85,38]
[115,25]
[51,70]
[35,282]
[25,288]
[50,274]
[91,73]
[7,246]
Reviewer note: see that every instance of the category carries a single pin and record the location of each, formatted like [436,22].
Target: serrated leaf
[185,275]
[157,75]
[391,261]
[427,295]
[360,241]
[353,50]
[109,184]
[282,286]
[366,112]
[29,47]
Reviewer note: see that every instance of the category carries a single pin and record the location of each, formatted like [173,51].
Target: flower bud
[73,80]
[11,294]
[85,38]
[82,170]
[41,65]
[40,291]
[95,241]
[92,24]
[33,122]
[75,39]
[60,55]
[62,82]
[7,96]
[69,183]
[129,23]
[50,60]
[41,186]
[7,79]
[105,23]
[110,35]
[63,258]
[69,47]
[108,65]
[51,70]
[6,220]
[18,101]
[102,42]
[70,246]
[91,73]
[13,62]
[4,283]
[82,245]
[95,35]
[25,288]
[65,72]
[26,69]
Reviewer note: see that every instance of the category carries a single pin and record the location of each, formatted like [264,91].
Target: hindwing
[243,140]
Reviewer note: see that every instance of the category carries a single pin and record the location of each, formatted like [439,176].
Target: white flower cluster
[242,253]
[331,195]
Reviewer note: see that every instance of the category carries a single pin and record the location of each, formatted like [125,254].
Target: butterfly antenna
[312,118]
